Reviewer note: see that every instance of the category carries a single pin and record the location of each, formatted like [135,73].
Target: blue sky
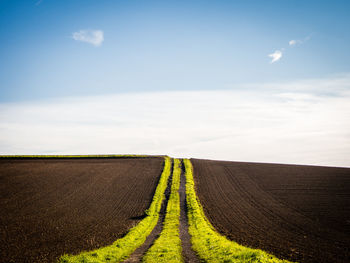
[166,45]
[263,81]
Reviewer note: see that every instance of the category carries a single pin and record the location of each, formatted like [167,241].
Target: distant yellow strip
[79,156]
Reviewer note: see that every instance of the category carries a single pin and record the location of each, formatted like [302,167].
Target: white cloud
[94,37]
[295,42]
[275,56]
[292,42]
[286,123]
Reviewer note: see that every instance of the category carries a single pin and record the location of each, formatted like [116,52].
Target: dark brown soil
[300,213]
[54,206]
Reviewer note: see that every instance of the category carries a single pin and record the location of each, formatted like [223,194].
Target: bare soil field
[300,213]
[54,206]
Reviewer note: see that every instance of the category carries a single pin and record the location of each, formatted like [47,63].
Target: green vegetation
[167,248]
[206,242]
[123,247]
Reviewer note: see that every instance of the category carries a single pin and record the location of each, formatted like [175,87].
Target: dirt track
[301,213]
[188,254]
[55,206]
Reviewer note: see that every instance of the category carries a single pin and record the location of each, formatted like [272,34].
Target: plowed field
[55,206]
[300,213]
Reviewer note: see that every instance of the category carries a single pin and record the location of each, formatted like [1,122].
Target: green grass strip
[123,247]
[209,245]
[167,248]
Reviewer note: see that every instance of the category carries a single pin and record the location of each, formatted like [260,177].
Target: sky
[264,81]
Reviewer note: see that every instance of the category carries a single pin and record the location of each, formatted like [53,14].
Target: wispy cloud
[295,42]
[276,56]
[94,37]
[286,123]
[39,2]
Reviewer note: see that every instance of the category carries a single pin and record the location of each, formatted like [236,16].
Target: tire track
[187,252]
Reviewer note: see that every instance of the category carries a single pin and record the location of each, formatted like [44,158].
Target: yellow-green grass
[167,248]
[209,245]
[123,247]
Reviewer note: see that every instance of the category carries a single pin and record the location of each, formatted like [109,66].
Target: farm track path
[187,252]
[137,255]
